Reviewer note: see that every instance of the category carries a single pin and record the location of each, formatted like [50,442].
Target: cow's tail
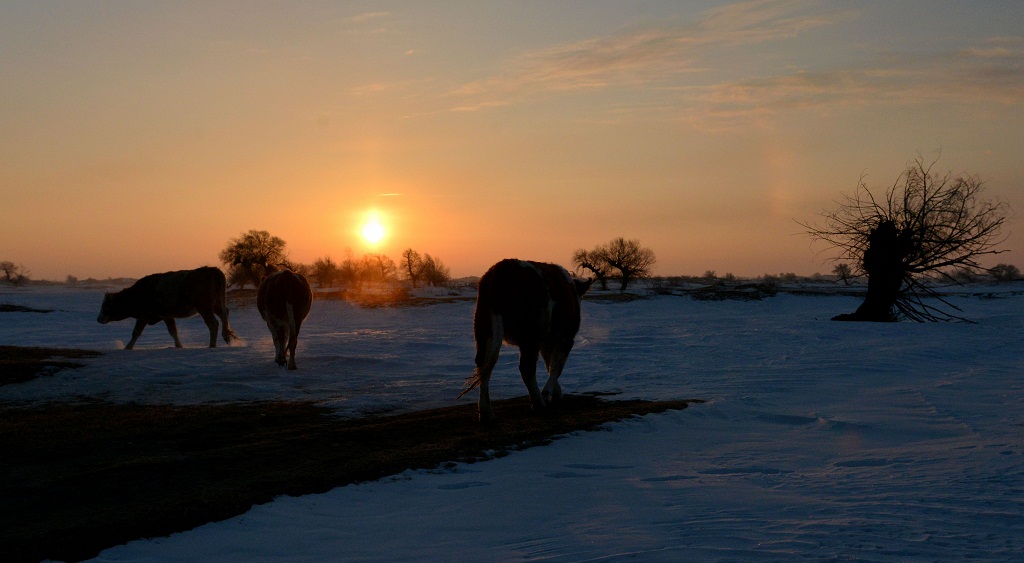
[487,330]
[290,310]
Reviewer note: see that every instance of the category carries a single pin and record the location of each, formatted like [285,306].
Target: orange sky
[141,137]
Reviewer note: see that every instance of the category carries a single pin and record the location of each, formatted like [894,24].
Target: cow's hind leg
[226,331]
[280,342]
[528,370]
[291,352]
[489,333]
[554,360]
[293,334]
[483,373]
[483,404]
[171,328]
[211,323]
[293,340]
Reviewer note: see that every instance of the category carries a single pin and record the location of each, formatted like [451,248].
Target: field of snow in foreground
[876,442]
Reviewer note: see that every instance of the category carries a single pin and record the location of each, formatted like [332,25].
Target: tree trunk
[884,264]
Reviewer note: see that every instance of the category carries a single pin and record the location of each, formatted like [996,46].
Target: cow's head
[110,311]
[582,286]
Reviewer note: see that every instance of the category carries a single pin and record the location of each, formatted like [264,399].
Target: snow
[819,439]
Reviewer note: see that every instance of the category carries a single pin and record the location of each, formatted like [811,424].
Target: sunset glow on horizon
[138,138]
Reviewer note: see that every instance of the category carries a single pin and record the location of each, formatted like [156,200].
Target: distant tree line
[423,269]
[254,254]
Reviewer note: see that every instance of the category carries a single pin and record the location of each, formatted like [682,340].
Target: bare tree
[925,225]
[349,269]
[434,272]
[592,261]
[325,272]
[377,268]
[411,264]
[844,272]
[1005,272]
[251,256]
[14,274]
[630,259]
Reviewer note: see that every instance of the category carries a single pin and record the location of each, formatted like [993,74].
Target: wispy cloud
[763,20]
[652,60]
[401,87]
[368,16]
[479,106]
[366,23]
[597,63]
[646,56]
[990,72]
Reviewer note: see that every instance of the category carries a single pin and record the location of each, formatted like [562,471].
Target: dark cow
[284,300]
[534,306]
[168,296]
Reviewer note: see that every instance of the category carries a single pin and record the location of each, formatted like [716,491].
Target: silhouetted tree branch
[592,261]
[924,225]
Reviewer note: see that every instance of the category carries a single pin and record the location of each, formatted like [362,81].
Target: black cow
[534,306]
[284,299]
[168,296]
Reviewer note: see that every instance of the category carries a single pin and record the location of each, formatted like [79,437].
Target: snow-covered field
[876,442]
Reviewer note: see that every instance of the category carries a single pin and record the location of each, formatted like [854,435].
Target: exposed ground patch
[19,364]
[76,478]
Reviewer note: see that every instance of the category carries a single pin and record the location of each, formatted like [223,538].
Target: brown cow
[168,296]
[284,299]
[534,306]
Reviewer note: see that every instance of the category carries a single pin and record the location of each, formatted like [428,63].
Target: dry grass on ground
[78,478]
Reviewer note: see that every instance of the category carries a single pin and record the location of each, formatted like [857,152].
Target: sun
[373,232]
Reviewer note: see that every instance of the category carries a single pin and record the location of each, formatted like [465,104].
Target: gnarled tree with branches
[628,257]
[926,225]
[592,261]
[253,255]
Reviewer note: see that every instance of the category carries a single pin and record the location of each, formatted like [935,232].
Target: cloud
[479,106]
[764,20]
[649,56]
[368,16]
[366,23]
[990,72]
[647,65]
[594,63]
[403,87]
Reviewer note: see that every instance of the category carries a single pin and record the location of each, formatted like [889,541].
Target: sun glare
[373,232]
